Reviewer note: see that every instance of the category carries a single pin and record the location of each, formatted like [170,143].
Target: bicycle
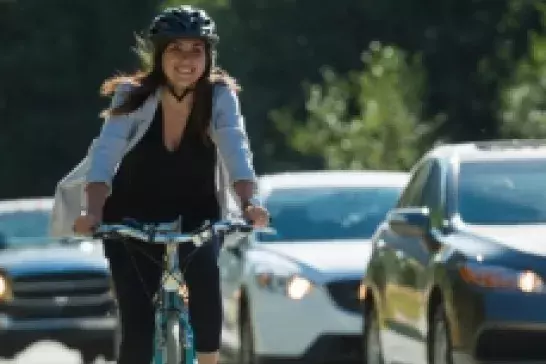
[171,314]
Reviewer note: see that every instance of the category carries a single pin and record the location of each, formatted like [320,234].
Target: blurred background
[326,84]
[350,84]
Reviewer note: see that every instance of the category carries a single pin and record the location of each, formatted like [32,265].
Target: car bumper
[492,326]
[314,328]
[77,333]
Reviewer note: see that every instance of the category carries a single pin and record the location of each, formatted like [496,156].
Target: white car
[292,293]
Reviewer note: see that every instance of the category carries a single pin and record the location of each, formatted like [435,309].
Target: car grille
[345,294]
[61,295]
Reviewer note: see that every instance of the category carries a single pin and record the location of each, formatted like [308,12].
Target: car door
[395,262]
[416,252]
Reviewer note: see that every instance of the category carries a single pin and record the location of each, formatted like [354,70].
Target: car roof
[317,179]
[514,149]
[26,204]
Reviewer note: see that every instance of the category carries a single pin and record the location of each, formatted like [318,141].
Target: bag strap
[133,138]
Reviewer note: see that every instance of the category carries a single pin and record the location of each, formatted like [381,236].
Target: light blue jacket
[227,131]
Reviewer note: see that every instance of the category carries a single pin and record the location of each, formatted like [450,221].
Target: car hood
[50,259]
[524,238]
[340,257]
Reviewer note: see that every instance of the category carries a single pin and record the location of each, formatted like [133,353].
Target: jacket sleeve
[229,134]
[108,148]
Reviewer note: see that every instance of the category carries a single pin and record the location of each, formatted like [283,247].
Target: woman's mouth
[184,70]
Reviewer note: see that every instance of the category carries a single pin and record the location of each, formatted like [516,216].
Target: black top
[154,184]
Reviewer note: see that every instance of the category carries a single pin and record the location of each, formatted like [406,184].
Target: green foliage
[523,99]
[54,56]
[371,119]
[53,59]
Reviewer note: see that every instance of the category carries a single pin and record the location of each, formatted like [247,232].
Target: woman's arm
[97,192]
[246,190]
[231,139]
[106,154]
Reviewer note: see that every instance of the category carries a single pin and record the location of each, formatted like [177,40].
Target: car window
[22,226]
[432,187]
[502,192]
[412,195]
[432,195]
[306,214]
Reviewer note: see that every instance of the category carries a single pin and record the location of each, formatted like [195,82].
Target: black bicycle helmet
[184,21]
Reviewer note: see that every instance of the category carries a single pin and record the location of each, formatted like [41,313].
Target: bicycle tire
[174,340]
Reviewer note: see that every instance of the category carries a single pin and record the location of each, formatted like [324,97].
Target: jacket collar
[147,111]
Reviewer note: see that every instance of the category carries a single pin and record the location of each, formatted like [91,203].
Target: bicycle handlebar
[166,233]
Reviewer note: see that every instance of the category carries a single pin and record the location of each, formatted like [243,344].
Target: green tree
[53,59]
[371,119]
[523,98]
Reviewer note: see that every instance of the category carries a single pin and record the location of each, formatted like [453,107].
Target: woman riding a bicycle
[194,134]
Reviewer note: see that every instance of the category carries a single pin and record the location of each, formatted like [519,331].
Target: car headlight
[500,277]
[294,286]
[5,288]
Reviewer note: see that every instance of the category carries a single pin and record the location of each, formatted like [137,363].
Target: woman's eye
[178,49]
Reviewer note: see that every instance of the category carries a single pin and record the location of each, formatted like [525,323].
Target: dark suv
[52,289]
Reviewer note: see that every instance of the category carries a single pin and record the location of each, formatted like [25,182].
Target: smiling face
[184,62]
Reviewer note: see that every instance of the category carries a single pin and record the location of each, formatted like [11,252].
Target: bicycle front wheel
[173,342]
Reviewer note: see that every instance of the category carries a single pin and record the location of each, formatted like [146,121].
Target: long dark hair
[150,76]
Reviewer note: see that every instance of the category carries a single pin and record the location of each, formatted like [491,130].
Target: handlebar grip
[95,234]
[246,229]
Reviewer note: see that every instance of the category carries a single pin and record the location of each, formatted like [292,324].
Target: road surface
[48,353]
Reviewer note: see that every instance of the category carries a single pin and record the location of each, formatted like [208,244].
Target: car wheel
[371,339]
[246,347]
[440,342]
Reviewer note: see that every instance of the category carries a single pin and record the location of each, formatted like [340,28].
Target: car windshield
[20,227]
[502,192]
[307,214]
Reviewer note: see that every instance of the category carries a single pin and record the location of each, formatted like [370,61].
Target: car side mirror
[410,221]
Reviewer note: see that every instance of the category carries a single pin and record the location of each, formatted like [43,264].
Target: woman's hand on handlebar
[86,224]
[257,215]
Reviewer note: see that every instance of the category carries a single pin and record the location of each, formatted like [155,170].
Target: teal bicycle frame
[171,303]
[173,337]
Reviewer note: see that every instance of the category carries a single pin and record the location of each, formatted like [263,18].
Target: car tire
[440,348]
[371,339]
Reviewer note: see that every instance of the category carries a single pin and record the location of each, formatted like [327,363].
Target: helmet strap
[180,97]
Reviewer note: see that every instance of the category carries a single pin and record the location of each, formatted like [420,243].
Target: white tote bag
[70,197]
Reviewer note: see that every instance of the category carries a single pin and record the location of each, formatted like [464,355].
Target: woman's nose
[184,58]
